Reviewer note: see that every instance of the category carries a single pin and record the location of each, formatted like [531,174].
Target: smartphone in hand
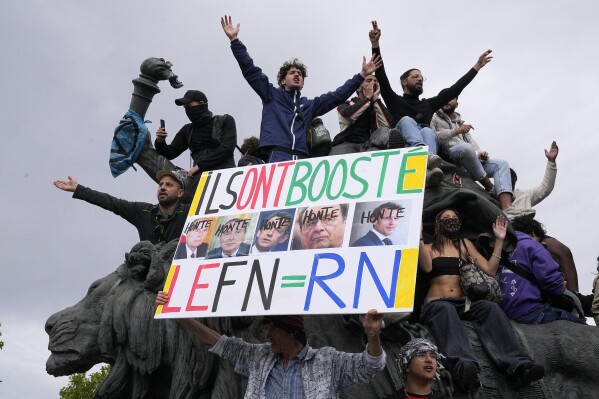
[162,125]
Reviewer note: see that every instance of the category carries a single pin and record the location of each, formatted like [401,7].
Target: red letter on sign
[196,286]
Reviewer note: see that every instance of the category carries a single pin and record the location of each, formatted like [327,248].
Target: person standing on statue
[286,115]
[155,223]
[211,139]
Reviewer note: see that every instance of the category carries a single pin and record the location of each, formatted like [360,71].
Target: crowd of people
[376,118]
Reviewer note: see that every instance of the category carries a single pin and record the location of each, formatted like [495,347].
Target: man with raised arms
[286,116]
[155,223]
[412,115]
[287,367]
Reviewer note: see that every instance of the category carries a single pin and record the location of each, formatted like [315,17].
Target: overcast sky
[66,81]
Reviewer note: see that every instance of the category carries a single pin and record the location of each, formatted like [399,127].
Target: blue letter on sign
[320,279]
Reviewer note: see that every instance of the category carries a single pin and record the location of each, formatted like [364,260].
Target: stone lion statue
[151,358]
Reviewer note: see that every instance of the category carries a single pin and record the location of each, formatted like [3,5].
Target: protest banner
[326,235]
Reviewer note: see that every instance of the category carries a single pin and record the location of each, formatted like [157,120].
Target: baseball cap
[172,173]
[192,95]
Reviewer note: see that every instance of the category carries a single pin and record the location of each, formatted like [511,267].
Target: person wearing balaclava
[211,139]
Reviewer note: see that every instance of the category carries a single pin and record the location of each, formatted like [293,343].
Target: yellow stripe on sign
[197,194]
[167,286]
[406,280]
[416,163]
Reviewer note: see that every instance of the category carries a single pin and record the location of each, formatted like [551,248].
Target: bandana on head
[415,347]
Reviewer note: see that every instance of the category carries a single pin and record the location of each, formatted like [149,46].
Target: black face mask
[450,228]
[199,113]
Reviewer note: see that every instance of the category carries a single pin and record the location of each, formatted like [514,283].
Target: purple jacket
[519,294]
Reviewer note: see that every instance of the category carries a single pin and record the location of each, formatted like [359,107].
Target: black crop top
[445,266]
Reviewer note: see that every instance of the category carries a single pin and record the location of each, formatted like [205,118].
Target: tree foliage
[83,387]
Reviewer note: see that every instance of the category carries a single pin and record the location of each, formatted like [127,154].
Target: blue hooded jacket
[286,116]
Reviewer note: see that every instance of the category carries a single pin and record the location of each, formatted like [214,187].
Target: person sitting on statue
[364,121]
[154,223]
[446,305]
[533,272]
[286,366]
[470,158]
[286,116]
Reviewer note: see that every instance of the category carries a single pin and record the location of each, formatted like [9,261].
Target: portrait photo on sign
[273,231]
[381,223]
[232,236]
[320,226]
[194,240]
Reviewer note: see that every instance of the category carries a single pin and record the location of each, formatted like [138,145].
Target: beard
[448,109]
[415,89]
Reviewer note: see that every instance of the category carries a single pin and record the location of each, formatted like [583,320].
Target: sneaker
[466,376]
[434,177]
[434,161]
[527,373]
[396,139]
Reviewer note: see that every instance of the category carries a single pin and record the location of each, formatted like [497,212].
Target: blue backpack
[128,141]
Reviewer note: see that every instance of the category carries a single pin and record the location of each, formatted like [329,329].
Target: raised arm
[231,31]
[372,328]
[204,334]
[490,266]
[386,91]
[483,60]
[454,91]
[252,74]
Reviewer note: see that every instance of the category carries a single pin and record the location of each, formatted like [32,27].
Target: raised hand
[377,92]
[69,186]
[500,227]
[372,65]
[375,34]
[373,321]
[161,134]
[483,60]
[552,153]
[231,31]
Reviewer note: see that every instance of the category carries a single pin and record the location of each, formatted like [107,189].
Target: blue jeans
[545,313]
[418,135]
[463,155]
[443,317]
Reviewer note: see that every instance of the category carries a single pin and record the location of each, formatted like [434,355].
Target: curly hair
[528,225]
[294,63]
[250,146]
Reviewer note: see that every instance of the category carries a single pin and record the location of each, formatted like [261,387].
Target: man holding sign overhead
[287,367]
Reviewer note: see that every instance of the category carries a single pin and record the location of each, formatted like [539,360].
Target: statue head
[159,69]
